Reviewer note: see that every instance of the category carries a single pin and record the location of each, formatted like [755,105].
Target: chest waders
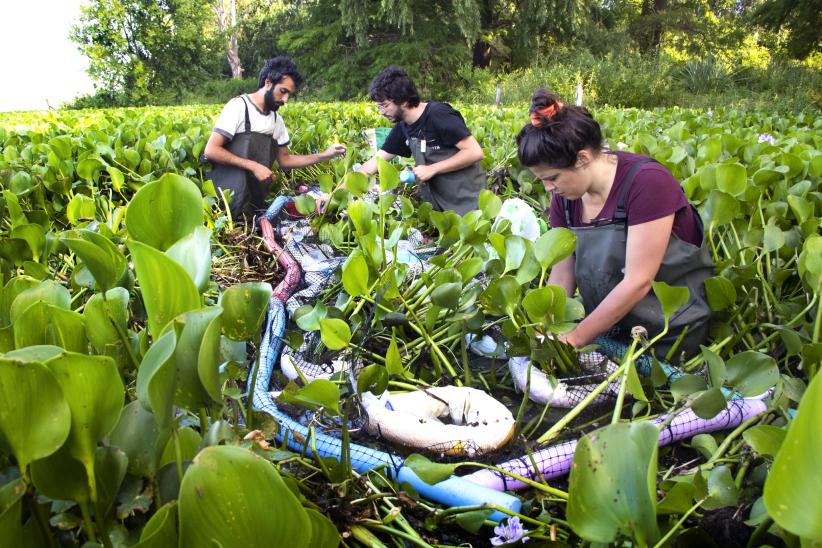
[600,265]
[458,190]
[245,187]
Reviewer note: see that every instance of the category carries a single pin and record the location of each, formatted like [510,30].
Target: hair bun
[544,106]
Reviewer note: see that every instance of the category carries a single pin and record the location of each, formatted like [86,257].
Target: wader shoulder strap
[247,119]
[621,214]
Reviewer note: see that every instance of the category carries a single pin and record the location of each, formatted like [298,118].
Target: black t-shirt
[440,126]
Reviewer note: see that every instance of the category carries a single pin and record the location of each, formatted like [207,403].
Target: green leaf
[308,318]
[161,529]
[546,304]
[316,394]
[612,487]
[429,472]
[447,295]
[189,441]
[514,252]
[21,183]
[141,439]
[306,204]
[102,258]
[48,291]
[34,235]
[671,297]
[709,404]
[80,208]
[42,323]
[99,314]
[334,333]
[793,489]
[361,213]
[12,530]
[716,366]
[501,295]
[721,293]
[193,253]
[554,246]
[355,275]
[490,204]
[722,491]
[117,178]
[765,439]
[389,176]
[472,521]
[356,183]
[393,360]
[731,178]
[231,497]
[94,391]
[678,500]
[167,289]
[323,532]
[35,418]
[163,211]
[687,385]
[196,358]
[244,308]
[373,378]
[752,373]
[720,209]
[89,169]
[156,378]
[326,182]
[61,477]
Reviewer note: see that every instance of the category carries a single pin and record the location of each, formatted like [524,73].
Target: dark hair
[395,85]
[556,133]
[276,68]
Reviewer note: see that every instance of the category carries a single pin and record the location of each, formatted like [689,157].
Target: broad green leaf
[117,178]
[196,354]
[361,213]
[323,532]
[61,477]
[774,238]
[472,521]
[42,323]
[189,441]
[751,373]
[501,295]
[490,204]
[709,404]
[21,183]
[318,393]
[12,530]
[308,317]
[716,366]
[731,178]
[89,169]
[102,258]
[80,208]
[101,315]
[47,291]
[793,489]
[612,487]
[94,391]
[721,293]
[514,252]
[389,176]
[35,418]
[429,472]
[722,491]
[9,293]
[231,497]
[720,209]
[765,439]
[161,529]
[193,253]
[554,246]
[167,289]
[678,499]
[469,269]
[373,378]
[34,235]
[156,378]
[545,304]
[334,333]
[306,204]
[687,385]
[355,275]
[447,295]
[326,182]
[141,439]
[244,308]
[163,211]
[671,297]
[356,183]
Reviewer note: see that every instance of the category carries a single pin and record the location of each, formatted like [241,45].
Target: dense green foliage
[643,55]
[119,424]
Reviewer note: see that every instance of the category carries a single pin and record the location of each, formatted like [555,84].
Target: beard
[271,105]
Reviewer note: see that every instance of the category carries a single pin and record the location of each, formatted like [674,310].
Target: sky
[38,62]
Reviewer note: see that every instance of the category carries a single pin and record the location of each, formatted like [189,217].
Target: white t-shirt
[232,121]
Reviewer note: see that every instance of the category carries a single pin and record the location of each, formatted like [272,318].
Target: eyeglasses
[382,105]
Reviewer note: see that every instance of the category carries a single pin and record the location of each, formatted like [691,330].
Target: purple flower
[511,532]
[767,138]
[709,114]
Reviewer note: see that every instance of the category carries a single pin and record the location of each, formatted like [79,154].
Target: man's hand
[334,151]
[262,173]
[424,173]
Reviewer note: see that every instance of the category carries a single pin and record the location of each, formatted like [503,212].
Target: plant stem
[628,362]
[678,524]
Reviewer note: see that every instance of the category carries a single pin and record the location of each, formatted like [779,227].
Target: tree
[230,27]
[801,19]
[140,50]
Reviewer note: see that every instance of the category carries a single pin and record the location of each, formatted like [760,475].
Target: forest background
[629,53]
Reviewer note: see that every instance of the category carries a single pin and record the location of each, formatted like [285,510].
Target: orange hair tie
[545,112]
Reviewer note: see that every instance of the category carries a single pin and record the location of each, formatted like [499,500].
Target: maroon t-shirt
[654,194]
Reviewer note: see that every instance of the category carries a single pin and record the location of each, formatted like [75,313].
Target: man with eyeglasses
[446,155]
[249,136]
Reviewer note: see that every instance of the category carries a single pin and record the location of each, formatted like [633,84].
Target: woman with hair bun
[633,224]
